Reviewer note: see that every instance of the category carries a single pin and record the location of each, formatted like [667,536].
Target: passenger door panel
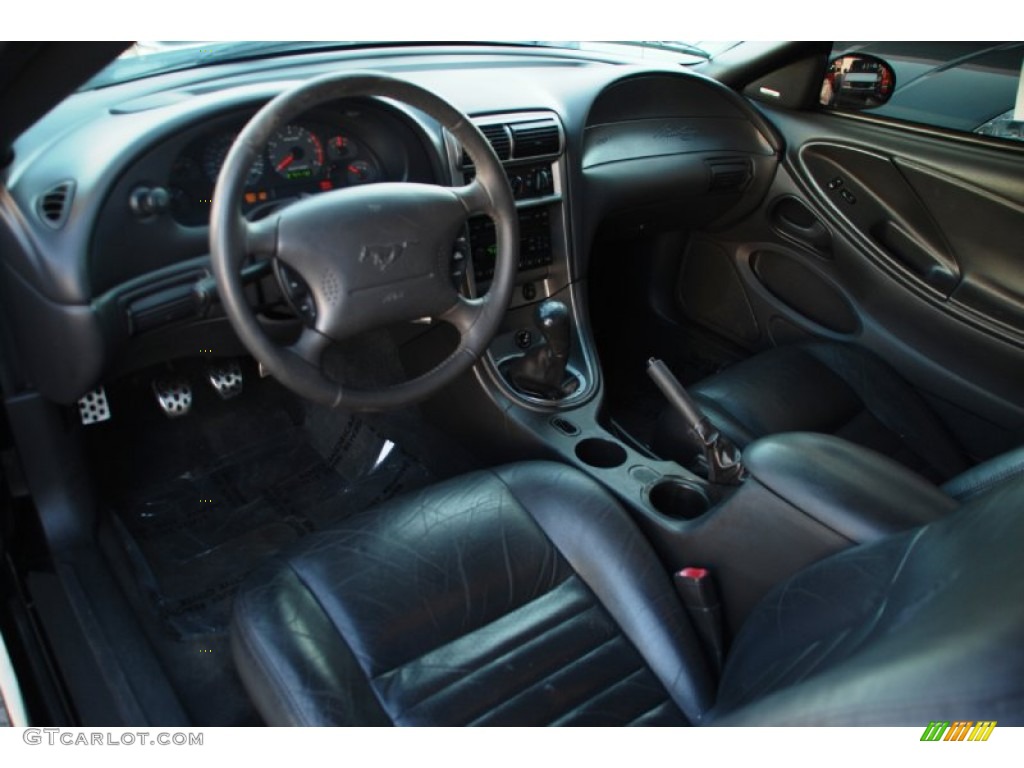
[905,242]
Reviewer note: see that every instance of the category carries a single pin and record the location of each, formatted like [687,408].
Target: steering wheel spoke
[261,237]
[474,197]
[310,346]
[464,314]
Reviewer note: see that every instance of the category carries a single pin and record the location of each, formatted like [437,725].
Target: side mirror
[857,81]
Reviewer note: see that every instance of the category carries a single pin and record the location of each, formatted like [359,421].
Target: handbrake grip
[679,398]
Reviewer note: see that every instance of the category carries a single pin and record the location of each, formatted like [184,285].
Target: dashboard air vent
[54,204]
[535,139]
[728,175]
[497,135]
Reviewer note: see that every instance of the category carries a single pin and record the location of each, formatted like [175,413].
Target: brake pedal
[225,378]
[174,396]
[93,407]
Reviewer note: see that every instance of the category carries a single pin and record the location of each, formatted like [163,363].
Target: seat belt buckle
[696,590]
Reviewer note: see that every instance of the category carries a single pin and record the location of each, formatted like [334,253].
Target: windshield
[143,59]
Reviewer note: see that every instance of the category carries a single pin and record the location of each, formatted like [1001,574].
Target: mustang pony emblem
[382,256]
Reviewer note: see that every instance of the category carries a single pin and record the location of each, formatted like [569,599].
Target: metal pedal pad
[226,378]
[93,407]
[174,396]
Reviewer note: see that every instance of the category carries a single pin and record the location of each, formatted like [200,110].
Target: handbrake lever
[723,458]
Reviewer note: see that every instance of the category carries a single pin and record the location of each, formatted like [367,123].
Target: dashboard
[164,198]
[104,235]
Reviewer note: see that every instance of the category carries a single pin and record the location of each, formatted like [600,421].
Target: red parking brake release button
[694,573]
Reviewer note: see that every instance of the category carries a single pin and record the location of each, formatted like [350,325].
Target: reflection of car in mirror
[857,82]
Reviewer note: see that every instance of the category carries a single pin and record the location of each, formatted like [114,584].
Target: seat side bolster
[307,675]
[595,535]
[986,475]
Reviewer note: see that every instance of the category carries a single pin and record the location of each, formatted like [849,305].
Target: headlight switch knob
[149,201]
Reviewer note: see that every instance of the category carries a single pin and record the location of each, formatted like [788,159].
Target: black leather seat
[836,389]
[525,595]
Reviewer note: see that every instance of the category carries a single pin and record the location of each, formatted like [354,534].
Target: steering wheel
[370,256]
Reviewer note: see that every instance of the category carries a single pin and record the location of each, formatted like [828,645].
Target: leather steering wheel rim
[371,256]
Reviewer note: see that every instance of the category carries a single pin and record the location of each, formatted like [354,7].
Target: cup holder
[678,500]
[601,453]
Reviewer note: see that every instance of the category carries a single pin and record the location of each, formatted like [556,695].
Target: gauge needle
[286,162]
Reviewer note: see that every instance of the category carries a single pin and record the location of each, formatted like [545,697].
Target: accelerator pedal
[226,378]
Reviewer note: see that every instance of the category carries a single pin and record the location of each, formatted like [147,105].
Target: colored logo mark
[961,730]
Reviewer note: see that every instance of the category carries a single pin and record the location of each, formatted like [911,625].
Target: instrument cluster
[303,158]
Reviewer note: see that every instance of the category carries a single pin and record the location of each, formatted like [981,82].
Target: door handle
[936,269]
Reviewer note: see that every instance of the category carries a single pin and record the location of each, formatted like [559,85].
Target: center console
[519,363]
[541,370]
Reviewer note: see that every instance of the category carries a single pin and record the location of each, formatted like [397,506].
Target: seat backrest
[921,626]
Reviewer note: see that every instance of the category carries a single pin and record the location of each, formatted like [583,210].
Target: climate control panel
[528,182]
[534,242]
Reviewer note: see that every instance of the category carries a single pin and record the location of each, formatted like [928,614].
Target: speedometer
[296,153]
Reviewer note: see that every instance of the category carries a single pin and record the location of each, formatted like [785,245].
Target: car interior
[507,384]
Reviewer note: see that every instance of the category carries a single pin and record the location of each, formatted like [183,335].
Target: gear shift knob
[552,320]
[541,372]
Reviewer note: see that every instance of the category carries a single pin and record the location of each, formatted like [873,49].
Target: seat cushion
[521,596]
[835,389]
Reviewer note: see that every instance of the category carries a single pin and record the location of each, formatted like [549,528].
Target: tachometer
[295,153]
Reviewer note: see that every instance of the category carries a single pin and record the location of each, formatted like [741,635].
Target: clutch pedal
[226,379]
[174,396]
